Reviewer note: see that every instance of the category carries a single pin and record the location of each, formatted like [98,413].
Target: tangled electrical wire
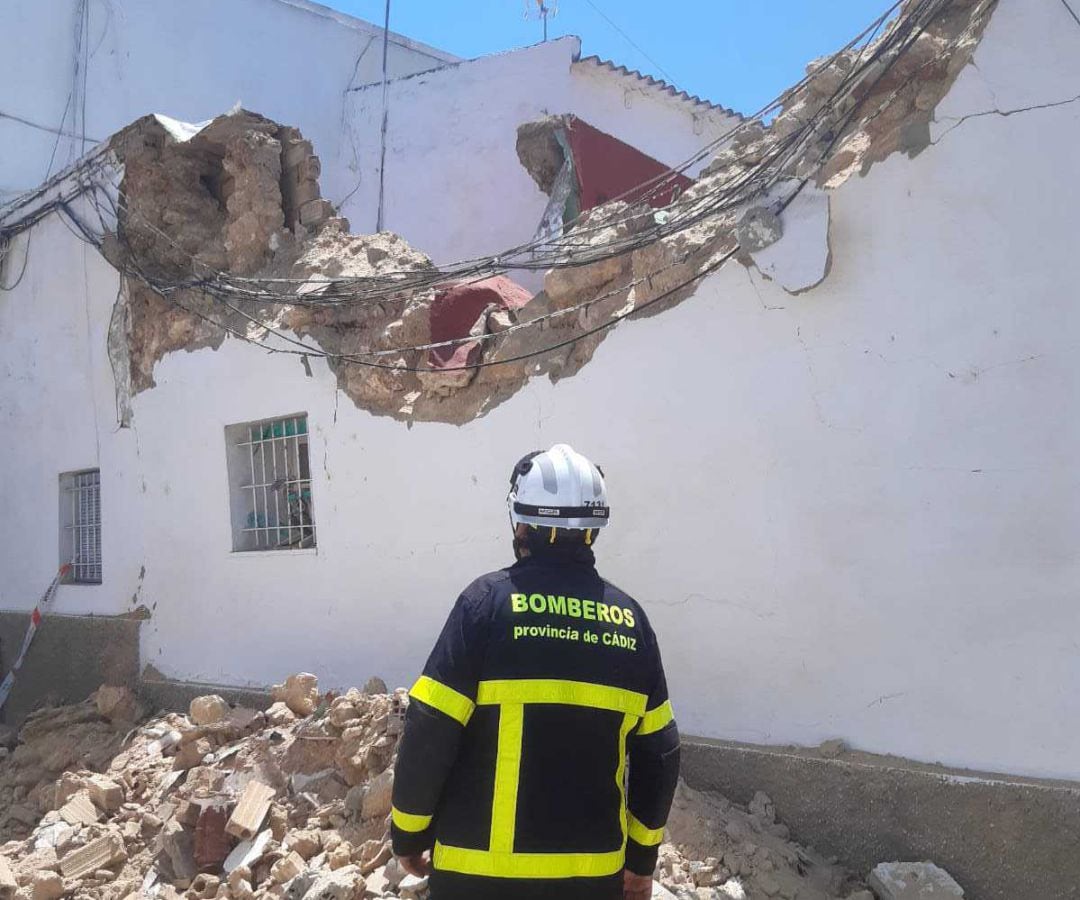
[621,233]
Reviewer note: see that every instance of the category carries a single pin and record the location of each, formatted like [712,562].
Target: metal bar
[272,483]
[266,502]
[277,507]
[254,503]
[75,526]
[300,487]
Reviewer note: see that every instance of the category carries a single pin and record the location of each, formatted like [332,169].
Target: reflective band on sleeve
[409,822]
[527,865]
[655,719]
[628,723]
[444,699]
[570,693]
[647,837]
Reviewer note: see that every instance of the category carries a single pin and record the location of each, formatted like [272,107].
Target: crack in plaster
[1004,113]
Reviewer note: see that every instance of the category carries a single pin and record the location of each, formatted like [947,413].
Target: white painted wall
[876,533]
[288,59]
[453,183]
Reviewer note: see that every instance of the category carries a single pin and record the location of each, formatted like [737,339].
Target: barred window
[270,484]
[80,525]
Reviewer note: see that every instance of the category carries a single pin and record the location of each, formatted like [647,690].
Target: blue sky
[740,54]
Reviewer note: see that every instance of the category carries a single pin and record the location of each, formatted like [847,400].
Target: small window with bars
[270,485]
[80,525]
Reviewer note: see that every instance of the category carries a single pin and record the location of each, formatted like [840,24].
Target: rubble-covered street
[103,803]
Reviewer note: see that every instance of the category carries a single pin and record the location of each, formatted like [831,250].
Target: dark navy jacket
[540,752]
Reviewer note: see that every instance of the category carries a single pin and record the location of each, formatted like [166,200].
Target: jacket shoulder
[486,586]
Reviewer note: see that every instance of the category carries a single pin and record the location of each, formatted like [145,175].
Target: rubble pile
[293,803]
[718,850]
[236,206]
[222,802]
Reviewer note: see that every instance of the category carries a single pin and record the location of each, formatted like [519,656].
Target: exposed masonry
[242,196]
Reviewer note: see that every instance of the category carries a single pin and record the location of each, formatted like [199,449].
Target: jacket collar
[540,555]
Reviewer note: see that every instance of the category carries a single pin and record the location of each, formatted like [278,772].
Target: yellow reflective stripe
[655,719]
[409,822]
[628,723]
[569,693]
[527,865]
[444,699]
[507,771]
[648,837]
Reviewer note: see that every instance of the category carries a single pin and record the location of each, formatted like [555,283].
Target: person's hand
[418,865]
[636,887]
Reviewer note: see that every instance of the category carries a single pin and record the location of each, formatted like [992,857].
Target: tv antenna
[543,10]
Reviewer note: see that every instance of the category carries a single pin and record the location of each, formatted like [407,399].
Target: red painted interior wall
[607,168]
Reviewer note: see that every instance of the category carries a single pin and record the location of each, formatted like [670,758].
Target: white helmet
[558,488]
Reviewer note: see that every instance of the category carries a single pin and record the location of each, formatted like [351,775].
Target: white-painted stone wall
[453,183]
[290,60]
[851,512]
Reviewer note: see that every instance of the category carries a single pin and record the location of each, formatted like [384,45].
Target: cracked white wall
[288,59]
[454,185]
[873,530]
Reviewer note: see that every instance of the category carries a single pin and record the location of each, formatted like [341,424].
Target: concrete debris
[913,881]
[192,831]
[8,884]
[101,853]
[80,810]
[300,693]
[208,710]
[298,808]
[833,748]
[540,151]
[105,793]
[375,685]
[47,886]
[117,704]
[719,850]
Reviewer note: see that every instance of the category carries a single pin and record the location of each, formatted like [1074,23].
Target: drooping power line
[630,40]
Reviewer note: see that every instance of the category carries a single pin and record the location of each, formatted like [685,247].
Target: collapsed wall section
[222,231]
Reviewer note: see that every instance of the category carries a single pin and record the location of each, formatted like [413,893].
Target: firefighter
[512,779]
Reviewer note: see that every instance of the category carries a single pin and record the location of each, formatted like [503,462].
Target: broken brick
[314,212]
[100,854]
[212,844]
[250,811]
[80,810]
[105,792]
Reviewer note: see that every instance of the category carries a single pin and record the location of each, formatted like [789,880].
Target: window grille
[80,515]
[270,478]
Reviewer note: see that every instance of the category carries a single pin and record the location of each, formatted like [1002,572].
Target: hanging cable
[630,40]
[385,117]
[569,251]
